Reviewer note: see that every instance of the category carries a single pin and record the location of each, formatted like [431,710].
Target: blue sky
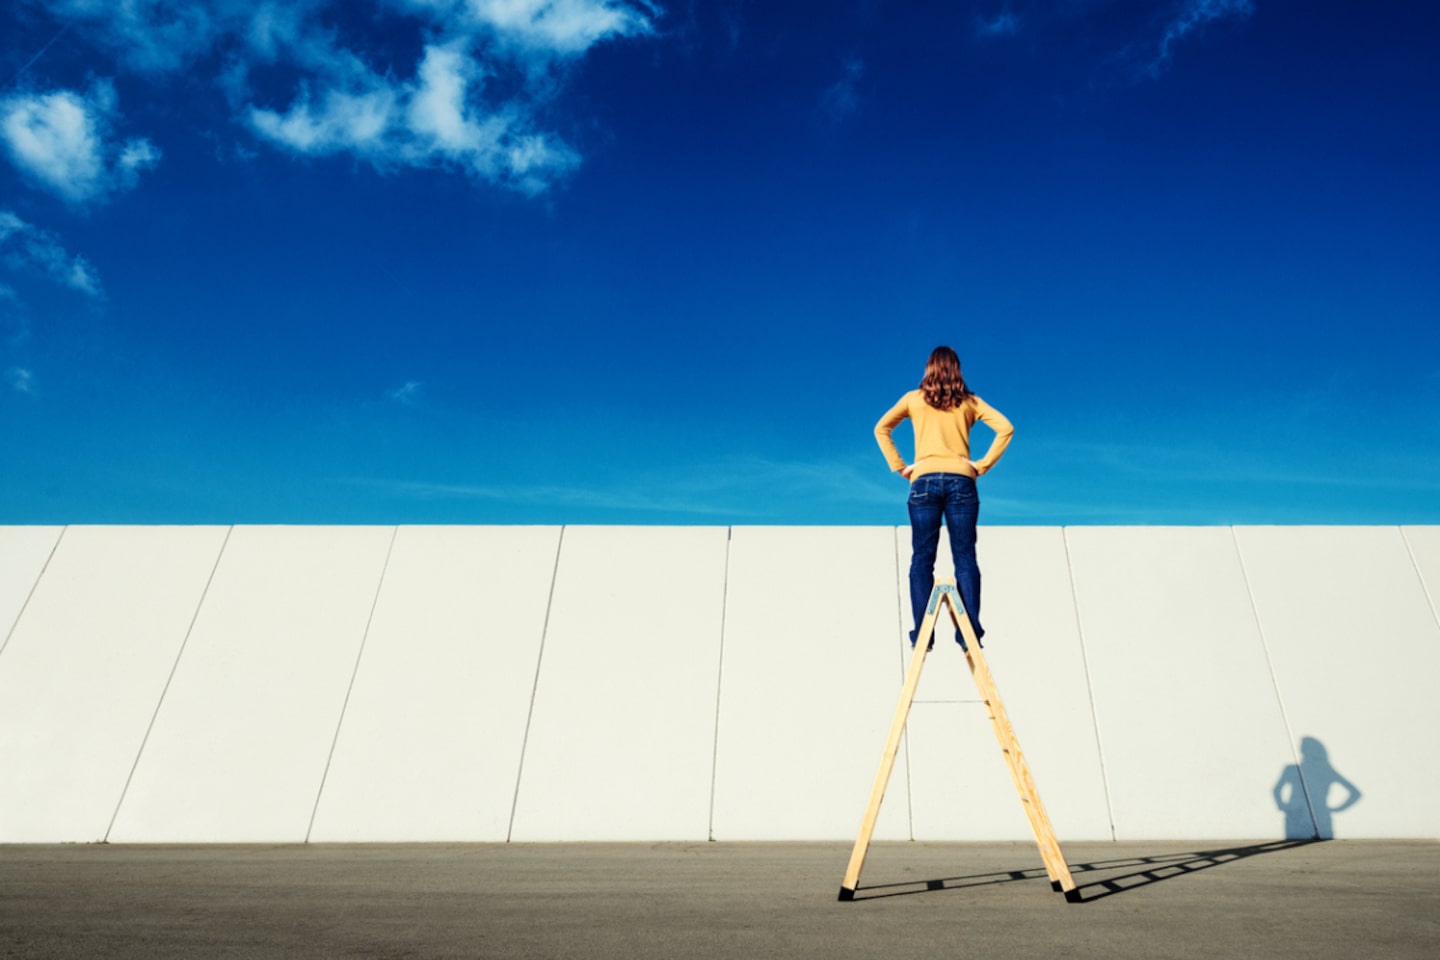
[597,261]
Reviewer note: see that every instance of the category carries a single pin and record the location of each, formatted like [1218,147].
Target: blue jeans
[953,497]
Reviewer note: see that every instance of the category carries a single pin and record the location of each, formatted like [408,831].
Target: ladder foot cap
[1072,896]
[846,894]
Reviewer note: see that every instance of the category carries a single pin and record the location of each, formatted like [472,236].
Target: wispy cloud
[1193,18]
[1212,467]
[449,113]
[28,248]
[14,318]
[842,98]
[576,497]
[21,380]
[149,36]
[407,394]
[62,141]
[1003,24]
[730,489]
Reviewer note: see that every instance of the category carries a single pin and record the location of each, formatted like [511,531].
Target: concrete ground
[1344,899]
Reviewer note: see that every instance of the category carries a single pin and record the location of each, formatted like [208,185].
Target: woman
[942,478]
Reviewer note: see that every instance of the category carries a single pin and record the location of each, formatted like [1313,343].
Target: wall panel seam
[535,685]
[1089,685]
[1419,574]
[1274,680]
[719,679]
[38,577]
[174,666]
[350,688]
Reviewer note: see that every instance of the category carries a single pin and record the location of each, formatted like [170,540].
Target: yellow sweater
[942,437]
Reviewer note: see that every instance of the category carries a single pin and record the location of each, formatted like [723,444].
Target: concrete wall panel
[84,671]
[1191,729]
[1356,654]
[23,552]
[240,743]
[1033,648]
[1035,653]
[811,673]
[430,745]
[622,730]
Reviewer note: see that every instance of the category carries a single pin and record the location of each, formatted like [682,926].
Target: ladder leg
[892,746]
[1050,852]
[984,682]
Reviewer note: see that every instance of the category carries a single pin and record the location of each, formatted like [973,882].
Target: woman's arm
[887,424]
[1004,430]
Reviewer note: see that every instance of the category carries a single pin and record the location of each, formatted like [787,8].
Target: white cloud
[62,141]
[26,247]
[435,120]
[1195,15]
[344,99]
[135,155]
[563,28]
[21,380]
[53,138]
[437,110]
[441,117]
[341,121]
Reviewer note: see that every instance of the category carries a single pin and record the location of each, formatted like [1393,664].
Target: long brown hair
[943,387]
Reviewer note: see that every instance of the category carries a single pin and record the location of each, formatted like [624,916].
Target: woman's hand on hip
[906,470]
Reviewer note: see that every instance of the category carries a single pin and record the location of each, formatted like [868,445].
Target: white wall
[810,671]
[648,683]
[85,668]
[243,734]
[622,725]
[1356,652]
[429,747]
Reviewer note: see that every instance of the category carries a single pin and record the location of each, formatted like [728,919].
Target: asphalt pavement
[1175,899]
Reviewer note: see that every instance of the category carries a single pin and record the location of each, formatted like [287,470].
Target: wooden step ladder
[945,594]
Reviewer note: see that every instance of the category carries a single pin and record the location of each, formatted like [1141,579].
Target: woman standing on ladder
[942,478]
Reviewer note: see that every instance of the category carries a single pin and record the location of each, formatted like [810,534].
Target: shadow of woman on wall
[1303,793]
